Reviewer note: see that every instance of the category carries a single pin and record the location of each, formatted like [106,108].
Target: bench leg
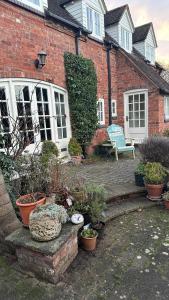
[116,153]
[134,154]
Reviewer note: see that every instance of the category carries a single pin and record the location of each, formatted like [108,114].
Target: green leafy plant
[96,195]
[88,233]
[154,173]
[49,149]
[82,89]
[140,169]
[165,196]
[74,147]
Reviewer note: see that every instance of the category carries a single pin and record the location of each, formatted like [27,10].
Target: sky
[145,11]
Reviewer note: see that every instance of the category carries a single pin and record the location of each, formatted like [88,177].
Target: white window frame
[33,5]
[101,121]
[125,38]
[10,84]
[114,111]
[93,18]
[166,108]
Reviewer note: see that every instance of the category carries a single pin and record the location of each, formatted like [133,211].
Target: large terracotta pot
[89,244]
[154,191]
[27,208]
[76,160]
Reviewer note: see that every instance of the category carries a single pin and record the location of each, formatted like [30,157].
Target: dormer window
[93,21]
[150,53]
[36,4]
[125,39]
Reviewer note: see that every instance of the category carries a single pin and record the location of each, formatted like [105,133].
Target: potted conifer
[154,180]
[75,151]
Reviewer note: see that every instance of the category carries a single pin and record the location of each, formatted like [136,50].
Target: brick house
[131,91]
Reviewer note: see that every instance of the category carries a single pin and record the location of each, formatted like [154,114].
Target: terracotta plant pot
[154,191]
[76,160]
[27,208]
[89,244]
[166,204]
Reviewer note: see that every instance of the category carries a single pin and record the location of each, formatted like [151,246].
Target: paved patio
[131,262]
[116,176]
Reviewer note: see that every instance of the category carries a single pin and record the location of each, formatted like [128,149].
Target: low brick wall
[46,260]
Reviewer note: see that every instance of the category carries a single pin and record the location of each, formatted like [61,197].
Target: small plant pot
[154,191]
[89,244]
[78,196]
[139,180]
[76,160]
[27,208]
[166,203]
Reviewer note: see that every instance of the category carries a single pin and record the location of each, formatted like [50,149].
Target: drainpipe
[109,83]
[77,41]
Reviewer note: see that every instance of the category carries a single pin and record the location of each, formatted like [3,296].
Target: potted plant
[77,190]
[89,239]
[139,175]
[27,204]
[165,198]
[75,151]
[154,180]
[96,196]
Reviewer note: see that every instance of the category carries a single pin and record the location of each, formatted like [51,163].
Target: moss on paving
[130,262]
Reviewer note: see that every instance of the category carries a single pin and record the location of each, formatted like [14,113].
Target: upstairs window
[150,53]
[125,39]
[93,22]
[100,112]
[166,108]
[36,4]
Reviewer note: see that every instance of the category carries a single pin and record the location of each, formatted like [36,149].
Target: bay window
[39,110]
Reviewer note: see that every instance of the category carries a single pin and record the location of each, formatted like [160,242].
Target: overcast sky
[144,11]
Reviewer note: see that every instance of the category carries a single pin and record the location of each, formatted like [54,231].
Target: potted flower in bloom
[89,239]
[154,180]
[75,151]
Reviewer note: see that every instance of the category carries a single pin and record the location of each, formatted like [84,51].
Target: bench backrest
[116,134]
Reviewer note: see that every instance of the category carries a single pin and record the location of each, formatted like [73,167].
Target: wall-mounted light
[41,60]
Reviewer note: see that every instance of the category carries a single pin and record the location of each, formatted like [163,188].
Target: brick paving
[116,176]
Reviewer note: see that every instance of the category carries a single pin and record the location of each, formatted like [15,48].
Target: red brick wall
[129,78]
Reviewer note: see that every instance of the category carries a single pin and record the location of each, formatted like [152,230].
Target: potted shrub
[165,198]
[96,196]
[49,151]
[75,151]
[154,180]
[77,190]
[139,175]
[89,239]
[27,204]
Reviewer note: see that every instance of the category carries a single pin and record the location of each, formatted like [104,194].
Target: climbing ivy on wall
[82,89]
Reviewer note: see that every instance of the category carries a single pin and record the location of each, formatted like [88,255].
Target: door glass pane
[136,115]
[131,123]
[136,106]
[44,113]
[142,123]
[142,115]
[60,115]
[142,106]
[142,97]
[130,99]
[136,123]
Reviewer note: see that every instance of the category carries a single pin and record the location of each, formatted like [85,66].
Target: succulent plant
[53,211]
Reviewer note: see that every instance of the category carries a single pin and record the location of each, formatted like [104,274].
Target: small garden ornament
[46,222]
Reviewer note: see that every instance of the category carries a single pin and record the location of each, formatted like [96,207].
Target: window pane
[142,123]
[2,94]
[136,123]
[56,97]
[61,98]
[97,24]
[38,94]
[60,133]
[47,120]
[64,133]
[26,94]
[49,137]
[45,95]
[3,108]
[131,123]
[42,134]
[89,19]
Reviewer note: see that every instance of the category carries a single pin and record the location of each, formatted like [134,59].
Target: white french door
[41,109]
[136,115]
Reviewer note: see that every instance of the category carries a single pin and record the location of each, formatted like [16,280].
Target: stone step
[119,208]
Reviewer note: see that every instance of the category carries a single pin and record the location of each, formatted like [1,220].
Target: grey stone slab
[22,238]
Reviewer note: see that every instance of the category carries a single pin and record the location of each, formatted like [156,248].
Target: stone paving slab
[116,176]
[120,208]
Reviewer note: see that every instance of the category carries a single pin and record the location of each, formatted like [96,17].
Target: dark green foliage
[82,89]
[7,167]
[74,147]
[154,173]
[88,233]
[140,169]
[49,149]
[155,149]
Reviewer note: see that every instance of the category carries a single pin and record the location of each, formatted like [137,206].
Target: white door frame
[133,92]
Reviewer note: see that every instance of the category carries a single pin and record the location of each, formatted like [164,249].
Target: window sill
[114,117]
[39,11]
